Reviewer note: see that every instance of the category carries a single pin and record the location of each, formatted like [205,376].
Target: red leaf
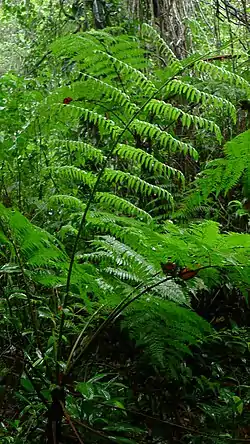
[67,100]
[168,268]
[186,274]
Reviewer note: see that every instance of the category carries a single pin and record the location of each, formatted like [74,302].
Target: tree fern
[107,86]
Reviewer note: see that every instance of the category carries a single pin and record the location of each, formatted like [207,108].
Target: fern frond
[193,94]
[237,153]
[66,201]
[74,173]
[123,275]
[162,109]
[165,330]
[140,79]
[165,139]
[161,45]
[88,151]
[136,184]
[35,246]
[147,160]
[92,87]
[222,74]
[221,175]
[106,126]
[121,205]
[124,255]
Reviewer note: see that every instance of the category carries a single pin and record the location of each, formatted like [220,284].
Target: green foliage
[165,330]
[221,175]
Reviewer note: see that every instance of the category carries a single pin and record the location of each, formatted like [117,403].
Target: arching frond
[165,139]
[152,35]
[162,109]
[147,160]
[221,175]
[222,74]
[165,330]
[74,173]
[139,78]
[92,87]
[106,126]
[66,201]
[193,94]
[87,151]
[121,205]
[136,184]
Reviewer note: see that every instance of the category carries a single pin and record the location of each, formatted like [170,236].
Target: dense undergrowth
[124,244]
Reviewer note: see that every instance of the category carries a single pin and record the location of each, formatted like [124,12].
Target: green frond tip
[162,109]
[164,139]
[74,173]
[222,74]
[90,87]
[121,205]
[88,151]
[194,95]
[71,202]
[148,161]
[135,184]
[157,40]
[139,78]
[106,126]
